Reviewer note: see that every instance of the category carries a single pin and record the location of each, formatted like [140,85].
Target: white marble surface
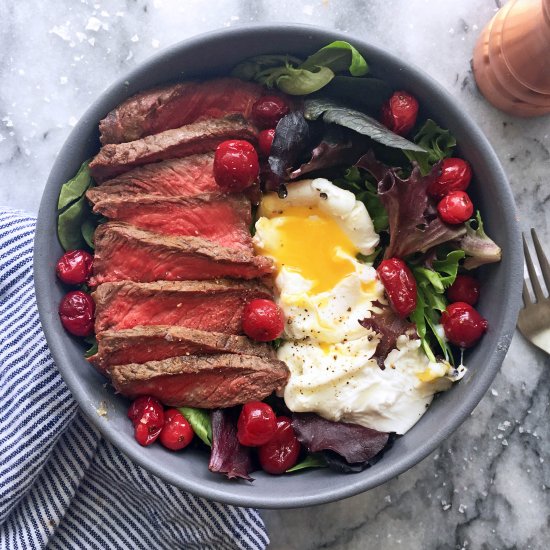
[486,487]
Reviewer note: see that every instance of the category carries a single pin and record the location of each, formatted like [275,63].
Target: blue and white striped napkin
[61,484]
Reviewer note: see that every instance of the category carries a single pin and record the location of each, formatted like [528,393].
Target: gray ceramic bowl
[213,54]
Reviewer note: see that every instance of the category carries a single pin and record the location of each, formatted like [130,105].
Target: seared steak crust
[153,343]
[166,107]
[198,137]
[123,252]
[184,177]
[205,381]
[208,305]
[216,217]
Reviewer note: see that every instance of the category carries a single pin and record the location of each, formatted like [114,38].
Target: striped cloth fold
[61,484]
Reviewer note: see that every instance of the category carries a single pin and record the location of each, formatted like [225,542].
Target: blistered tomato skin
[265,141]
[399,112]
[76,312]
[236,165]
[256,424]
[176,433]
[74,267]
[400,285]
[268,110]
[147,416]
[281,452]
[463,325]
[465,289]
[263,320]
[455,208]
[455,175]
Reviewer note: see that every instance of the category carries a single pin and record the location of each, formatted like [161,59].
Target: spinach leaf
[92,350]
[250,68]
[87,229]
[338,56]
[337,113]
[200,422]
[313,460]
[367,93]
[69,225]
[75,187]
[437,142]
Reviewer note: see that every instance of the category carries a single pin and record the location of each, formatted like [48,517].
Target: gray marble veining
[487,486]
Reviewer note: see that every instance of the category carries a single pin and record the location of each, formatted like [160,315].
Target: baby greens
[199,419]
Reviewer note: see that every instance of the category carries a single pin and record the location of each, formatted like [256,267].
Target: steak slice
[123,252]
[185,177]
[172,106]
[219,218]
[199,137]
[205,381]
[204,305]
[154,343]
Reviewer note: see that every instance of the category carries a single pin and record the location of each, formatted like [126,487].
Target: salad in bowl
[277,266]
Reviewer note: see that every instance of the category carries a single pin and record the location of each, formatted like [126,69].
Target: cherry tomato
[265,140]
[76,312]
[256,425]
[400,285]
[263,320]
[74,267]
[268,110]
[281,452]
[147,416]
[464,289]
[455,176]
[455,208]
[176,432]
[399,112]
[463,325]
[236,165]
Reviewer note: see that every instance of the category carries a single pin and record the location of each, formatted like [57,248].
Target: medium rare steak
[185,177]
[153,343]
[123,252]
[203,305]
[207,381]
[168,107]
[199,137]
[216,217]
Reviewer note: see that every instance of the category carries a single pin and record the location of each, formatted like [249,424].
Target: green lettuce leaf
[338,56]
[314,460]
[479,247]
[199,419]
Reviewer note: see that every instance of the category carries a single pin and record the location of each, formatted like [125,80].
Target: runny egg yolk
[311,243]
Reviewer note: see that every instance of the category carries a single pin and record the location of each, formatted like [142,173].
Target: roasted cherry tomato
[263,320]
[268,110]
[236,165]
[455,208]
[462,324]
[400,285]
[74,267]
[455,175]
[76,312]
[256,425]
[281,452]
[464,289]
[147,416]
[265,140]
[399,112]
[176,432]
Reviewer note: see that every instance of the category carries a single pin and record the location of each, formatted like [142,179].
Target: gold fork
[534,317]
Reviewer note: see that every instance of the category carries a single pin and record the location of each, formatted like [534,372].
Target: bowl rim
[356,485]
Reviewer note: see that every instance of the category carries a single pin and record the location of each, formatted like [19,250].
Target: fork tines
[533,277]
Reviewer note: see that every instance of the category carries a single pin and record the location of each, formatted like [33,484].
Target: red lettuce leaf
[413,220]
[228,456]
[389,327]
[353,442]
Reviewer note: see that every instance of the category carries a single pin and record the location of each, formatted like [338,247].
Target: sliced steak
[185,177]
[172,106]
[216,217]
[123,252]
[154,343]
[205,381]
[203,305]
[199,137]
